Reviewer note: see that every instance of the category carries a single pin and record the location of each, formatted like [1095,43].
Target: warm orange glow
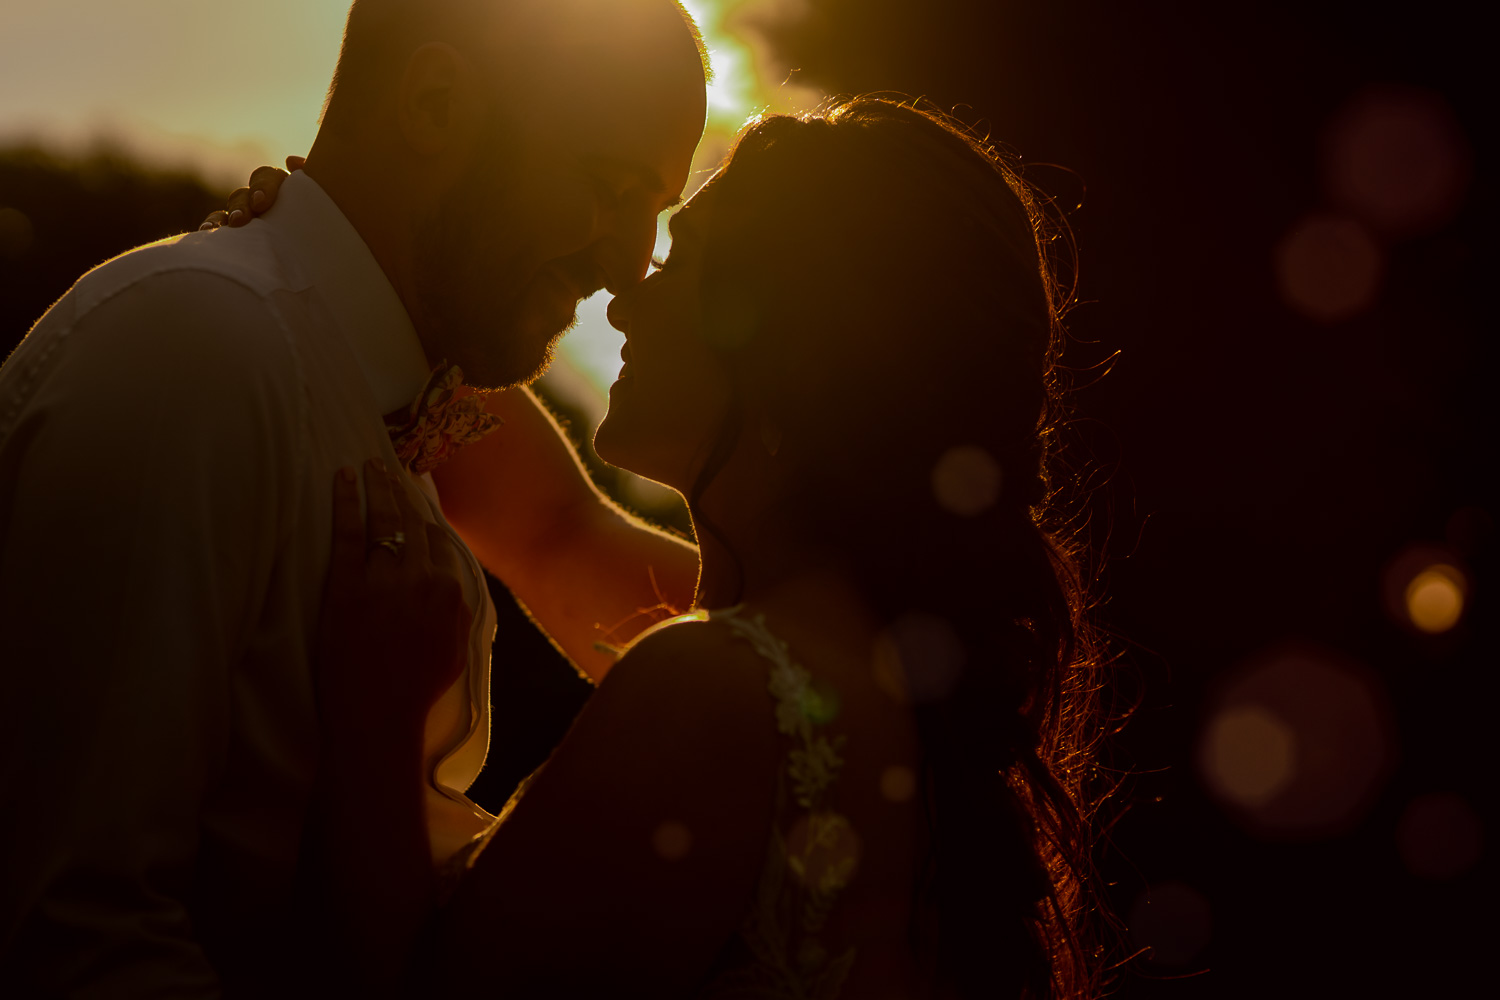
[1439,836]
[1435,598]
[1250,755]
[747,81]
[1328,268]
[732,92]
[1299,744]
[672,841]
[1397,157]
[966,481]
[898,783]
[885,664]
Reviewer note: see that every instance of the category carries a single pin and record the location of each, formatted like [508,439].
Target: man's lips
[573,280]
[582,277]
[556,299]
[563,286]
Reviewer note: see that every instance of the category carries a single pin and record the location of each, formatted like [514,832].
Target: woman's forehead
[691,219]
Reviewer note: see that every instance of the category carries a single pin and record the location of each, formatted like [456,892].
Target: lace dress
[779,951]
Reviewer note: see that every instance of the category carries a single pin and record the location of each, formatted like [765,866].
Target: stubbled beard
[471,314]
[471,278]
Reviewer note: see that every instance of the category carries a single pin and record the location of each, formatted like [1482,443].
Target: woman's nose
[618,310]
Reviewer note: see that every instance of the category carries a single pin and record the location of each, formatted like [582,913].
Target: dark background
[1260,470]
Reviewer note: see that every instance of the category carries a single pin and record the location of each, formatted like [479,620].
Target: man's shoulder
[171,312]
[245,257]
[205,298]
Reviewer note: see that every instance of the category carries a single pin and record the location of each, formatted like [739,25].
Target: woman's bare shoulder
[655,810]
[686,707]
[690,653]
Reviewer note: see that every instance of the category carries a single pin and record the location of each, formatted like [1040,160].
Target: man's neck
[377,205]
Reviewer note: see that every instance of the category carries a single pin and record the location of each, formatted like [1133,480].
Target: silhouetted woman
[862,769]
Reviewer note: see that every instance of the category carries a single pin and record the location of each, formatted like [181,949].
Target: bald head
[505,158]
[529,47]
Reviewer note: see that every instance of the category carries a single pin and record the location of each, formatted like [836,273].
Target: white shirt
[169,434]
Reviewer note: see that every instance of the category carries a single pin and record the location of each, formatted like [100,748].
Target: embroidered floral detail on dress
[813,769]
[809,863]
[437,424]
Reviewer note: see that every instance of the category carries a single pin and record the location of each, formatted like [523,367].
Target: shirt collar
[341,267]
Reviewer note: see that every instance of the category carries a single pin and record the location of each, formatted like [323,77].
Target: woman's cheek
[704,397]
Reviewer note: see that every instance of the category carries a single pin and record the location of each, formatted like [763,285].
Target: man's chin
[508,369]
[542,333]
[514,346]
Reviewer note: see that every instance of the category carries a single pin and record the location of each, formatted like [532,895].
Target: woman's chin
[612,441]
[616,444]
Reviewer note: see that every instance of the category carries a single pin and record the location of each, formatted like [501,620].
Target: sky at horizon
[216,86]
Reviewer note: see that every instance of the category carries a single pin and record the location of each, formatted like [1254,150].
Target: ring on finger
[391,543]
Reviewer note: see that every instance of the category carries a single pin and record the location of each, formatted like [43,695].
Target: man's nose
[628,253]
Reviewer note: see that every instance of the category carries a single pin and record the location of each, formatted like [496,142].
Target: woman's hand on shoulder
[256,198]
[394,630]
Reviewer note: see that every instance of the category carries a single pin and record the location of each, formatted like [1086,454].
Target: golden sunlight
[1250,755]
[1435,598]
[141,78]
[747,78]
[672,841]
[1299,744]
[747,81]
[898,783]
[731,91]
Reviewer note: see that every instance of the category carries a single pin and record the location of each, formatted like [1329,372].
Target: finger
[384,518]
[239,207]
[348,560]
[215,220]
[263,175]
[265,182]
[294,163]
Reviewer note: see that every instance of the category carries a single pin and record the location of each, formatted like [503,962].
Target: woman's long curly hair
[881,284]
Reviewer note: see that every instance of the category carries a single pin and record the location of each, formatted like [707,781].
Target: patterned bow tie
[438,423]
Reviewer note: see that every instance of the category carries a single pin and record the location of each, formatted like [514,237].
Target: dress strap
[813,850]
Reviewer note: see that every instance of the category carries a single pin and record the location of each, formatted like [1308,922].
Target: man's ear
[437,104]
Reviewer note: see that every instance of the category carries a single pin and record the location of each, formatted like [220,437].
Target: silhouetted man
[169,433]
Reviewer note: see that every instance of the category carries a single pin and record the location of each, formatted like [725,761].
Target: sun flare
[747,81]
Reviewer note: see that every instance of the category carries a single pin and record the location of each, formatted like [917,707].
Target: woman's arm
[632,857]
